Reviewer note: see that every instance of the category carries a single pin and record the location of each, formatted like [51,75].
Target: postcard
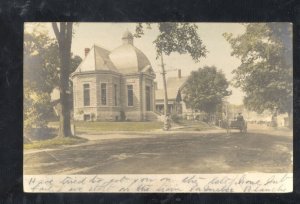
[158,107]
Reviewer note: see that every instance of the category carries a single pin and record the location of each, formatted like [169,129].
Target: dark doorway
[86,117]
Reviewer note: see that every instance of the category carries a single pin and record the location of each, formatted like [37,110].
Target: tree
[40,61]
[41,76]
[64,39]
[175,37]
[265,73]
[36,108]
[205,89]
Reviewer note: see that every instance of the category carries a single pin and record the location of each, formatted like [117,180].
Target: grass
[194,125]
[96,127]
[58,141]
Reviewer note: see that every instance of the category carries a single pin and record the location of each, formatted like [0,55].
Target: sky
[108,36]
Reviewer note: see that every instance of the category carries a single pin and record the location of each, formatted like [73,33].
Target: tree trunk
[166,109]
[64,38]
[65,126]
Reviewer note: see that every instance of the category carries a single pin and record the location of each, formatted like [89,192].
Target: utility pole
[163,73]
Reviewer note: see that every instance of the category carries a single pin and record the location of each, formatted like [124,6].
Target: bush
[176,118]
[43,133]
[37,108]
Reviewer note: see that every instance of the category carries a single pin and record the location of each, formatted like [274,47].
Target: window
[103,94]
[148,98]
[86,94]
[115,94]
[130,95]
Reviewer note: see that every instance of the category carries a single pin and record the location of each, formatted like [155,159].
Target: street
[174,152]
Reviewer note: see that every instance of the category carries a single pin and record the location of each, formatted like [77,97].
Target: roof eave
[95,72]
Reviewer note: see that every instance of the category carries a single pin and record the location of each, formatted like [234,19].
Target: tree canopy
[265,73]
[176,37]
[41,75]
[205,89]
[41,61]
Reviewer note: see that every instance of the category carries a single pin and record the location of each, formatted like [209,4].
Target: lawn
[97,127]
[189,125]
[58,141]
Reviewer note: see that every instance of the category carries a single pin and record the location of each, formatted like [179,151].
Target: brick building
[114,85]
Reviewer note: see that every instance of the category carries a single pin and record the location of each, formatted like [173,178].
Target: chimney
[179,73]
[86,51]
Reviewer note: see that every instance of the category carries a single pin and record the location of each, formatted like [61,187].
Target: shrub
[37,107]
[176,118]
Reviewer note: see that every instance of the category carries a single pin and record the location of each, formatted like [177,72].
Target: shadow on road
[172,153]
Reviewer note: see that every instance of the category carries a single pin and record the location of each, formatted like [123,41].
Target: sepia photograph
[158,107]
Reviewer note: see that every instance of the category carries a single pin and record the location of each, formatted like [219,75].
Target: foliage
[36,108]
[265,73]
[176,37]
[41,76]
[205,89]
[75,62]
[176,118]
[40,61]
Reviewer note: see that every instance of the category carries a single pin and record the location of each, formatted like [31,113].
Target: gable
[174,86]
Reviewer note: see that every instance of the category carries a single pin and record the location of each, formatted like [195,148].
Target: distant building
[114,85]
[176,105]
[175,102]
[283,120]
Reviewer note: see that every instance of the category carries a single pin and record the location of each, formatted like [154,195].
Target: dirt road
[172,152]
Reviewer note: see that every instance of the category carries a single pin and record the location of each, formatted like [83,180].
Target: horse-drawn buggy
[238,124]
